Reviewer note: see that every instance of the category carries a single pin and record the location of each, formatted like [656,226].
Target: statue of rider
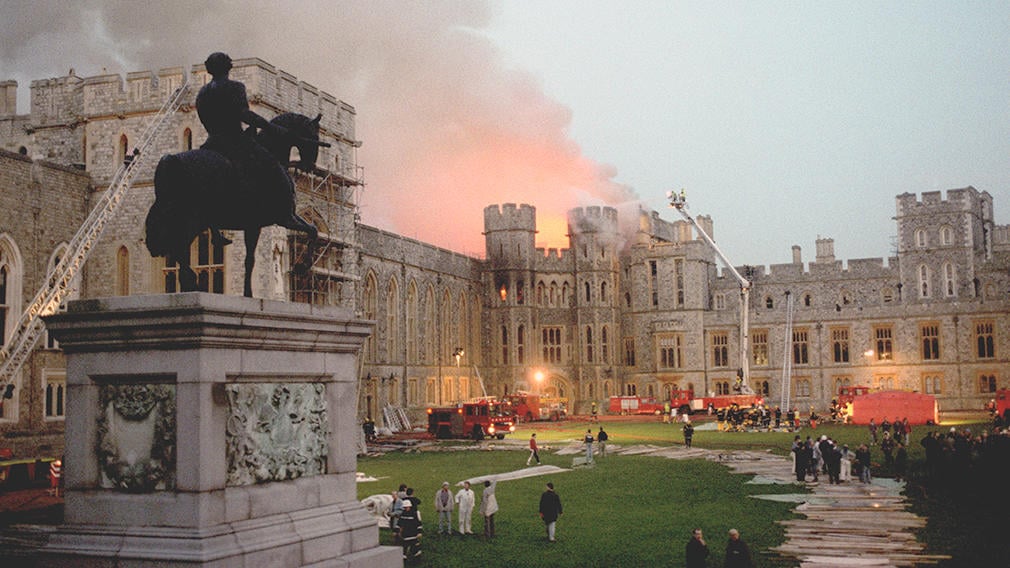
[223,107]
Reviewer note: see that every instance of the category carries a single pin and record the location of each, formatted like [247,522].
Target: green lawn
[625,511]
[629,510]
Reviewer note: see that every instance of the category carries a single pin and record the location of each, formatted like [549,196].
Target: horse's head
[305,136]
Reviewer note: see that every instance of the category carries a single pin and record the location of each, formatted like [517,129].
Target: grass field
[625,511]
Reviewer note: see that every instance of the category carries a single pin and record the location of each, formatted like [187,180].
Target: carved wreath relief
[136,437]
[275,432]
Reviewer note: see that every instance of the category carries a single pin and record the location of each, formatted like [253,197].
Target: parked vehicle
[635,405]
[475,419]
[528,407]
[725,401]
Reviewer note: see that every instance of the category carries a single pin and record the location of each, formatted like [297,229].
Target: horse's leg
[252,237]
[187,277]
[217,238]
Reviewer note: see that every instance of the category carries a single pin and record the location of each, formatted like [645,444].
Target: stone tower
[510,251]
[595,243]
[941,242]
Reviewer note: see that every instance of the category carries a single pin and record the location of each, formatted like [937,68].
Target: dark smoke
[446,128]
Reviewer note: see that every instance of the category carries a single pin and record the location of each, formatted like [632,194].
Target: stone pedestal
[208,430]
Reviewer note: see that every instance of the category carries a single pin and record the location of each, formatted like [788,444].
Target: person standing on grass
[488,507]
[595,410]
[873,432]
[697,550]
[410,530]
[464,501]
[550,510]
[444,506]
[588,441]
[688,434]
[900,462]
[534,454]
[737,552]
[601,441]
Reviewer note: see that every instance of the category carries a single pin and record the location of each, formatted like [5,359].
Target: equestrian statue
[236,180]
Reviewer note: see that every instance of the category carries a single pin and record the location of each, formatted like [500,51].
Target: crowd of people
[958,455]
[405,515]
[815,457]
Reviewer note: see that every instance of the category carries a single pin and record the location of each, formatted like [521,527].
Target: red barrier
[895,405]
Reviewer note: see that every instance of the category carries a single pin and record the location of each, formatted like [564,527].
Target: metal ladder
[787,356]
[59,280]
[396,418]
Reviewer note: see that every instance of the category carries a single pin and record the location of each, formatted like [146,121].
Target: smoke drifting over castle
[447,127]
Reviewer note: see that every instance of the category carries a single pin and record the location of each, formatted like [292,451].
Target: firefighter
[410,529]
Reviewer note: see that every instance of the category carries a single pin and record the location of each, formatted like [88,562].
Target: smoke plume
[446,128]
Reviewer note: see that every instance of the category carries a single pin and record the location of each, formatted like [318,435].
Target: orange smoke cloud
[446,128]
[444,200]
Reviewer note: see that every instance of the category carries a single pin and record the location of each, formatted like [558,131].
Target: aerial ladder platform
[59,281]
[679,202]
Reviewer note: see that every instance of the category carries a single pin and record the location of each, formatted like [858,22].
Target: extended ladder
[787,356]
[59,280]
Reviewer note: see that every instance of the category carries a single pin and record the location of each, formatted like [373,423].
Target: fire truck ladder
[787,360]
[679,202]
[59,280]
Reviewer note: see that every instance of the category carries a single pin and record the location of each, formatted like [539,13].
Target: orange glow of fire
[450,189]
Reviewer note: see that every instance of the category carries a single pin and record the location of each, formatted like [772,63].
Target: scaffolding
[330,276]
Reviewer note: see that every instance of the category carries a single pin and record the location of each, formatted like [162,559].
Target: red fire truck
[701,404]
[1000,406]
[529,406]
[475,419]
[635,405]
[847,394]
[683,400]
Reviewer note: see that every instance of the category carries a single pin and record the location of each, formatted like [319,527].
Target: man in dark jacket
[697,550]
[410,530]
[550,510]
[688,434]
[737,552]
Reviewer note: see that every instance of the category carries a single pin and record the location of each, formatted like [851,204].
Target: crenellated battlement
[593,219]
[70,98]
[553,260]
[933,201]
[510,217]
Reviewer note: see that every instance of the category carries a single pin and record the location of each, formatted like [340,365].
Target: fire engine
[529,406]
[725,401]
[475,419]
[1000,406]
[683,400]
[847,394]
[635,405]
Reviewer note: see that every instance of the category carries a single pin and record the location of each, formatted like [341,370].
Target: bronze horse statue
[202,189]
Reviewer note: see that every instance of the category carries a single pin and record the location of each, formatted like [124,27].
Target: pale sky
[784,121]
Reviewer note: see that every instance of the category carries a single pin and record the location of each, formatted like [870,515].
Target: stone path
[850,524]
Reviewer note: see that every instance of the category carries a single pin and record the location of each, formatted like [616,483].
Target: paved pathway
[850,524]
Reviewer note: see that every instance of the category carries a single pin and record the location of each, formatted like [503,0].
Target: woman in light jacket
[488,507]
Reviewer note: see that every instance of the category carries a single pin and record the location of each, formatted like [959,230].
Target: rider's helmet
[218,63]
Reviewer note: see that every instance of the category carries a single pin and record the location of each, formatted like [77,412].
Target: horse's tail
[164,216]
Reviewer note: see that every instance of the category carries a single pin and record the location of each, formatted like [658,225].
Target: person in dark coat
[688,433]
[737,552]
[803,456]
[550,510]
[410,529]
[697,550]
[900,462]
